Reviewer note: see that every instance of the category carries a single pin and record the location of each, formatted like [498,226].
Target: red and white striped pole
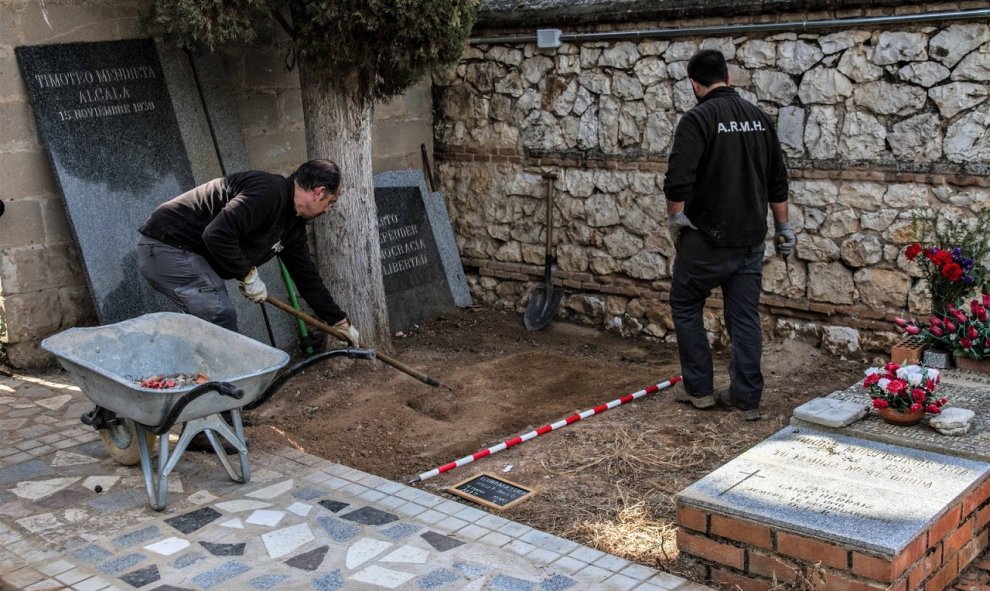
[545,429]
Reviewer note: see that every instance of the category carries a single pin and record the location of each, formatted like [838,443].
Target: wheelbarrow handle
[222,388]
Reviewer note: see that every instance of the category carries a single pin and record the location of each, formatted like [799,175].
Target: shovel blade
[542,307]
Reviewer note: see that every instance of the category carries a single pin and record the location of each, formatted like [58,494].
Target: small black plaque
[415,283]
[491,491]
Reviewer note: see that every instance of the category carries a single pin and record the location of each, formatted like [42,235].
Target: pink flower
[880,403]
[971,332]
[932,409]
[960,317]
[918,395]
[949,326]
[912,329]
[935,330]
[986,299]
[965,343]
[915,407]
[900,322]
[897,387]
[935,321]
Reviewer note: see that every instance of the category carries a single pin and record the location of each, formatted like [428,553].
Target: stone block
[57,226]
[22,223]
[396,139]
[18,128]
[31,315]
[11,83]
[258,111]
[279,151]
[26,174]
[31,269]
[27,355]
[67,23]
[291,108]
[76,306]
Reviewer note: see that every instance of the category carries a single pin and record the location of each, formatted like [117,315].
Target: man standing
[724,170]
[226,228]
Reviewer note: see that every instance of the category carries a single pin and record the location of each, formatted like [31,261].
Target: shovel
[544,301]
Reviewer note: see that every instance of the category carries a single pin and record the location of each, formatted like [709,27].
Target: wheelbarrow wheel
[122,443]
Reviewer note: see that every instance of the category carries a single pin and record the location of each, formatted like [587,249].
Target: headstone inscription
[837,488]
[491,491]
[105,115]
[413,269]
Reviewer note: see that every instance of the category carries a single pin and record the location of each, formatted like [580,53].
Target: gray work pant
[698,269]
[187,279]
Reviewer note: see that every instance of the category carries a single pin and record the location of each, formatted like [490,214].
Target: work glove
[253,288]
[352,334]
[784,238]
[676,224]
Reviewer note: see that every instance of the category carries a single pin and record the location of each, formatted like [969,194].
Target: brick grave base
[751,555]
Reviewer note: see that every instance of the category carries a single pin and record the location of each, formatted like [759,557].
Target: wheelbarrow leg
[236,438]
[157,488]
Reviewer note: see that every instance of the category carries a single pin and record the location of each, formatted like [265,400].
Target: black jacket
[726,164]
[241,221]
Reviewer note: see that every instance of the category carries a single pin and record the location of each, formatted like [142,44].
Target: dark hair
[318,173]
[708,67]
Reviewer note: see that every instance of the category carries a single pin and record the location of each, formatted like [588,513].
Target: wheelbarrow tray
[106,362]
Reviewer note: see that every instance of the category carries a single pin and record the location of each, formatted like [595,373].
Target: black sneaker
[726,399]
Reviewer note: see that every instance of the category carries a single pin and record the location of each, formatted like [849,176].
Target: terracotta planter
[980,365]
[908,350]
[896,417]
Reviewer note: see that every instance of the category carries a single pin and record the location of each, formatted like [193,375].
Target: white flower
[872,370]
[883,383]
[933,374]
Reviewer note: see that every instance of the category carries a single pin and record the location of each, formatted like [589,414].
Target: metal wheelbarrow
[108,362]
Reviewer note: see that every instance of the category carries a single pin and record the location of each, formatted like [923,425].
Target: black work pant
[698,269]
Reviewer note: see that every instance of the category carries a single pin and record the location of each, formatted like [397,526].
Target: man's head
[317,187]
[706,70]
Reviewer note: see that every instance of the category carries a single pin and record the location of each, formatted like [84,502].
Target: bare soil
[607,481]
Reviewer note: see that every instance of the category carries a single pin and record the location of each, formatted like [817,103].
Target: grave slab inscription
[106,117]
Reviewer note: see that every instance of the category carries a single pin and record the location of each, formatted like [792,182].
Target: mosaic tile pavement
[301,523]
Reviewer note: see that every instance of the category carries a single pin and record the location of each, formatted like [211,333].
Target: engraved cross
[748,476]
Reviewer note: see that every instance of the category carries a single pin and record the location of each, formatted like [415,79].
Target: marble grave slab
[837,488]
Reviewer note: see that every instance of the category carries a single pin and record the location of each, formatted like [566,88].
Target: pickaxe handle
[343,336]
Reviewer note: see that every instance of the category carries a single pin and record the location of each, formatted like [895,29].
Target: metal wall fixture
[550,38]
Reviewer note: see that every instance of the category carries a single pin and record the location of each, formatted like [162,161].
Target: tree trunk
[338,127]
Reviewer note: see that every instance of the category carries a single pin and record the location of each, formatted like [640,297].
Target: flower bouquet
[903,394]
[951,261]
[963,330]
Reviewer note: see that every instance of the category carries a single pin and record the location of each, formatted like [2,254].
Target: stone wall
[42,286]
[877,123]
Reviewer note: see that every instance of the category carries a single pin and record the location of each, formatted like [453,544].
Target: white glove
[352,334]
[676,224]
[253,287]
[784,239]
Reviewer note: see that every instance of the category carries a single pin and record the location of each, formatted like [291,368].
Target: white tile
[300,509]
[241,505]
[270,492]
[284,541]
[265,517]
[168,546]
[407,554]
[55,402]
[104,482]
[382,577]
[37,489]
[201,497]
[233,524]
[38,523]
[364,550]
[69,458]
[56,568]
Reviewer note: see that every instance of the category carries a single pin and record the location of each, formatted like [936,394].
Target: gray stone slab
[403,194]
[837,488]
[831,412]
[961,388]
[104,112]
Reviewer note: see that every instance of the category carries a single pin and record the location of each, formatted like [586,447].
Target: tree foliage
[385,46]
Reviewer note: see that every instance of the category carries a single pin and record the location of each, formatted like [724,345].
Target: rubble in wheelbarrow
[176,380]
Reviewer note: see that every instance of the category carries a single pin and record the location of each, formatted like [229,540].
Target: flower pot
[937,358]
[908,350]
[980,365]
[896,417]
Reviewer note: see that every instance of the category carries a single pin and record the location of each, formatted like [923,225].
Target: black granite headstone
[106,117]
[416,286]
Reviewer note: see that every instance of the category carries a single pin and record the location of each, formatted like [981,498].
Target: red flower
[918,395]
[960,316]
[949,326]
[935,321]
[982,315]
[915,407]
[871,379]
[986,299]
[941,258]
[880,403]
[896,387]
[965,343]
[952,271]
[912,251]
[930,385]
[892,367]
[912,329]
[932,409]
[935,331]
[971,332]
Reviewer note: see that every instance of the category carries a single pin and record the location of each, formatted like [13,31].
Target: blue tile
[339,531]
[397,532]
[117,502]
[332,505]
[224,549]
[308,494]
[187,560]
[370,516]
[471,571]
[137,537]
[557,583]
[90,553]
[218,575]
[142,577]
[505,583]
[267,581]
[121,563]
[24,471]
[190,522]
[437,578]
[329,582]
